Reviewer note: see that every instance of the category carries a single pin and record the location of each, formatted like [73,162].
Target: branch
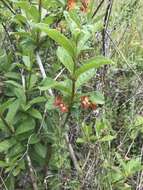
[70,148]
[32,176]
[72,154]
[97,9]
[41,67]
[105,25]
[9,7]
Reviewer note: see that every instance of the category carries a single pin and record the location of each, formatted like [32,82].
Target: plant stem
[97,9]
[71,151]
[8,6]
[31,171]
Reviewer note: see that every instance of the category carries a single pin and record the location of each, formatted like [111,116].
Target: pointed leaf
[58,37]
[6,144]
[92,63]
[51,83]
[13,108]
[25,126]
[35,113]
[85,77]
[107,138]
[65,59]
[40,150]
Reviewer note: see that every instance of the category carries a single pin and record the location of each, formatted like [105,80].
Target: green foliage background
[47,51]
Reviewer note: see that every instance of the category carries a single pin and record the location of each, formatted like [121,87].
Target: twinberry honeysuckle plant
[35,112]
[79,71]
[71,46]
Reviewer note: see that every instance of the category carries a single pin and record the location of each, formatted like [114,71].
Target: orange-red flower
[63,108]
[84,7]
[93,106]
[71,4]
[58,101]
[60,104]
[85,103]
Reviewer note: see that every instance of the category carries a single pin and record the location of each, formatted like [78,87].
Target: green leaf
[37,100]
[12,75]
[6,144]
[85,77]
[87,130]
[32,81]
[34,139]
[13,83]
[107,138]
[138,120]
[26,60]
[40,150]
[20,93]
[3,164]
[34,101]
[97,97]
[133,166]
[65,59]
[34,13]
[17,149]
[92,63]
[58,37]
[35,113]
[50,104]
[25,126]
[82,39]
[5,105]
[23,5]
[81,140]
[48,83]
[13,108]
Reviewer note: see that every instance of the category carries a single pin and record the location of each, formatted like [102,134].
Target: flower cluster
[84,7]
[87,104]
[72,3]
[60,104]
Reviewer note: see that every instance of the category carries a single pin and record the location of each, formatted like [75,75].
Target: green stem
[71,151]
[39,20]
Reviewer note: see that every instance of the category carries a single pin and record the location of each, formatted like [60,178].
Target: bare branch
[32,176]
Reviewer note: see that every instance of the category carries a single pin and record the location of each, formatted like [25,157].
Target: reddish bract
[63,108]
[58,101]
[84,7]
[60,104]
[85,103]
[93,106]
[71,4]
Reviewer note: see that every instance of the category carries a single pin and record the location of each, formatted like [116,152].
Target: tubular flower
[63,108]
[85,103]
[58,101]
[84,7]
[71,4]
[60,104]
[93,106]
